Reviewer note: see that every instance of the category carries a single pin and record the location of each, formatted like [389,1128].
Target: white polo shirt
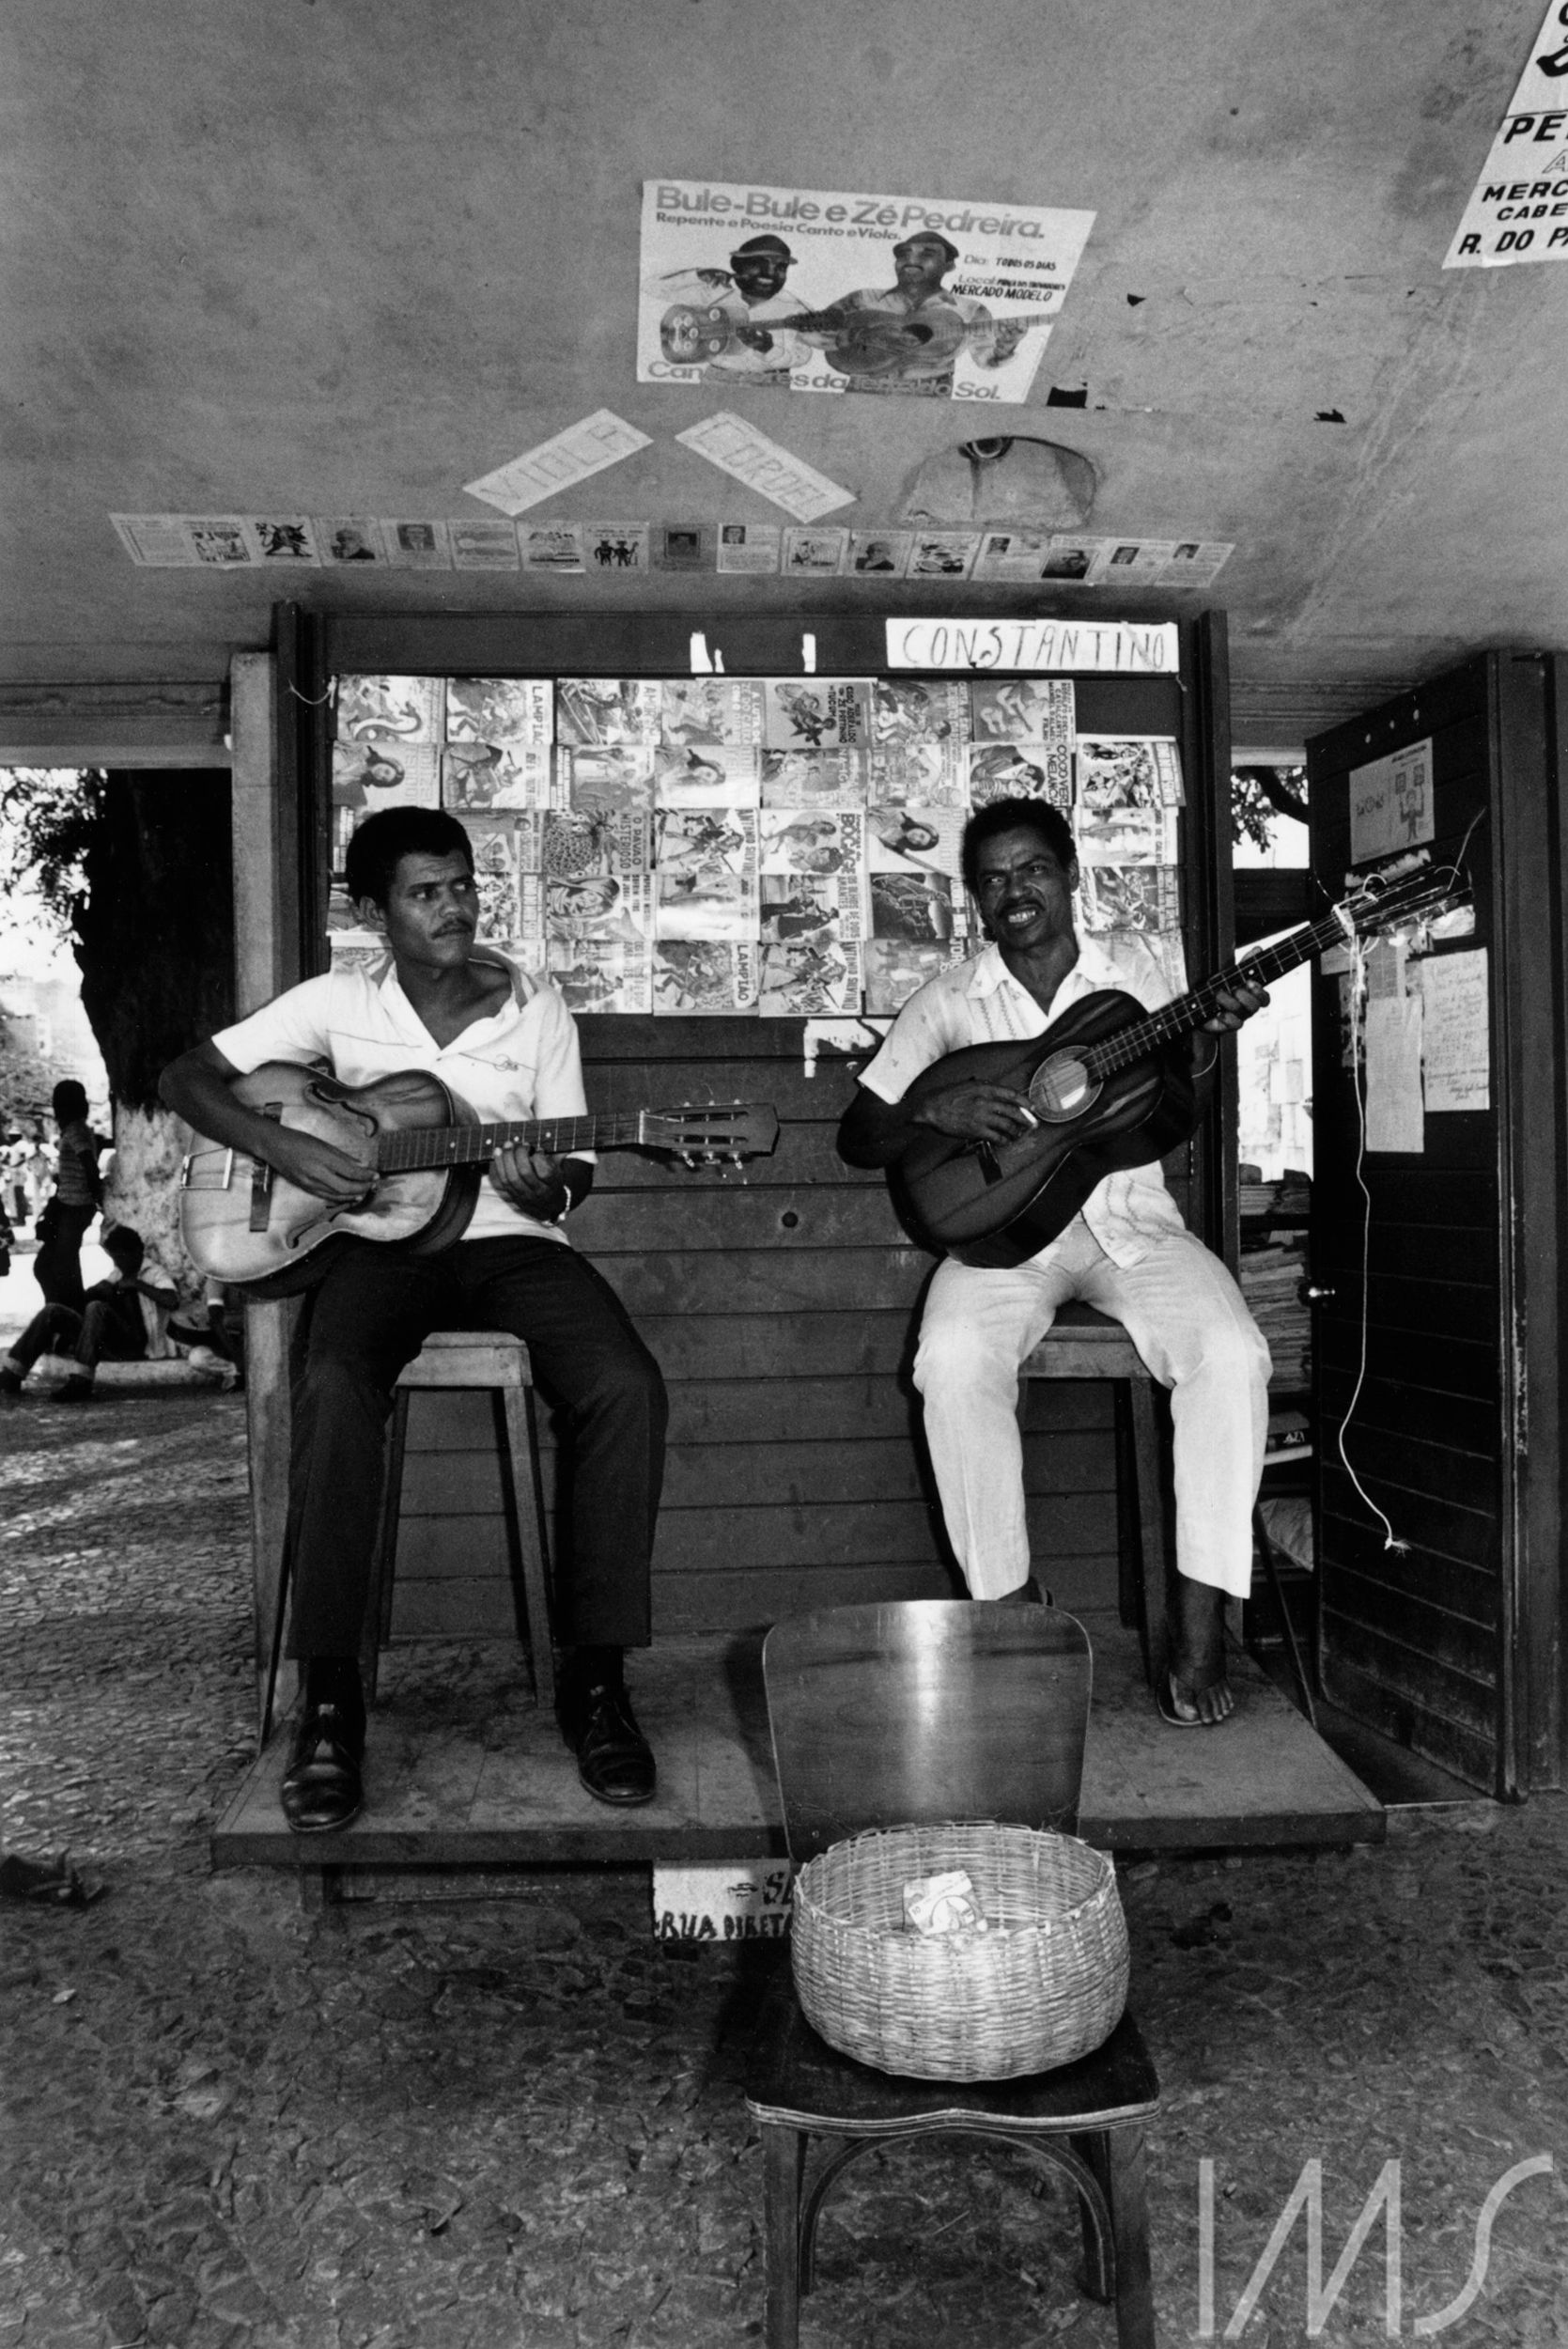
[519,1062]
[982,1003]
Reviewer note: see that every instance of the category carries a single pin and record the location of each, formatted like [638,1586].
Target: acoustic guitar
[1108,1086]
[866,342]
[424,1153]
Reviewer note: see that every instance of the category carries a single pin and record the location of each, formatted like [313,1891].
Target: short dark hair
[123,1247]
[1000,816]
[377,844]
[69,1100]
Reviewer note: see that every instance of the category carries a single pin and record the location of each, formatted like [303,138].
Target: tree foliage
[1259,794]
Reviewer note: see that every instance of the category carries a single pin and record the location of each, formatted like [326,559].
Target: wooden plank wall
[1410,1635]
[782,1307]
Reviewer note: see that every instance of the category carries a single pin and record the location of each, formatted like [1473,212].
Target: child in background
[73,1203]
[123,1319]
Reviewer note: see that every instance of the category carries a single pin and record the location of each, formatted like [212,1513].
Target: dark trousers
[58,1265]
[370,1316]
[109,1329]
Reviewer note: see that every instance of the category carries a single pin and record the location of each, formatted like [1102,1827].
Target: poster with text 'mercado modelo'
[808,290]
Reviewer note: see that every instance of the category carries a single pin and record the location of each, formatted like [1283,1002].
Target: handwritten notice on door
[1454,1043]
[1390,803]
[1393,1036]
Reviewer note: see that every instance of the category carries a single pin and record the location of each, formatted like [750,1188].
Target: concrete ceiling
[343,255]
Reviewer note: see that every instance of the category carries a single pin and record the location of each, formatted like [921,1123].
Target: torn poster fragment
[747,454]
[1518,208]
[583,448]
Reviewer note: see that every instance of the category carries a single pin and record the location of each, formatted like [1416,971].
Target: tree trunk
[155,924]
[155,941]
[143,1188]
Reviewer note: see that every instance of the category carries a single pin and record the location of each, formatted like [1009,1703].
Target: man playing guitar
[1126,1253]
[507,1044]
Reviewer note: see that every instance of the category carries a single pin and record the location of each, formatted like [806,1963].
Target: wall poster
[808,289]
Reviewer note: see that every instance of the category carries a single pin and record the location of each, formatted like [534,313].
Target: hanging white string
[1357,1002]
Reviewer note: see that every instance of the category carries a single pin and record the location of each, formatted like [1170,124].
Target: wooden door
[1435,1332]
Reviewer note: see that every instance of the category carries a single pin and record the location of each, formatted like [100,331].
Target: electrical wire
[1357,1002]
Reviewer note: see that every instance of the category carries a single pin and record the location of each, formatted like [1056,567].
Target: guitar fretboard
[1189,1011]
[415,1148]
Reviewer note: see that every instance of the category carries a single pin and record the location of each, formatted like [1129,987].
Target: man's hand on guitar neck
[1233,1005]
[538,1185]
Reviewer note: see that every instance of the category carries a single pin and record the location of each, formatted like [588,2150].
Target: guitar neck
[414,1149]
[825,321]
[1189,1011]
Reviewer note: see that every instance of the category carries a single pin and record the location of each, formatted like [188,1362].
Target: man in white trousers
[1126,1253]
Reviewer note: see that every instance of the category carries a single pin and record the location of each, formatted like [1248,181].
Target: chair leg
[1271,1569]
[784,2156]
[1151,1526]
[1099,2254]
[1126,2192]
[377,1612]
[525,1507]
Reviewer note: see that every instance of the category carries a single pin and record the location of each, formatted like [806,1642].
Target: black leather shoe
[321,1786]
[615,1760]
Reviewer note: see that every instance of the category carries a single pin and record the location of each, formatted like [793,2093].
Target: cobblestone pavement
[516,2123]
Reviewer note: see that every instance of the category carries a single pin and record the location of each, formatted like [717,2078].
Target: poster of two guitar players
[808,289]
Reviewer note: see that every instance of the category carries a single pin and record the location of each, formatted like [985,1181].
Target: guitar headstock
[712,1133]
[1406,891]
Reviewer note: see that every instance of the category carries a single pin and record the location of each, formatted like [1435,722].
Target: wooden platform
[462,1771]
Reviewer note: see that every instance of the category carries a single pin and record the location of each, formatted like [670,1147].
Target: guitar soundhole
[1060,1088]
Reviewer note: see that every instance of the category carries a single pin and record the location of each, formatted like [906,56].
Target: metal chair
[913,1713]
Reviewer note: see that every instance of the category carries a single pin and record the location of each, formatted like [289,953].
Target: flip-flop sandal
[1166,1702]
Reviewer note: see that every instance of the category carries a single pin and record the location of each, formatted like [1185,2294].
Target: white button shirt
[521,1061]
[982,1003]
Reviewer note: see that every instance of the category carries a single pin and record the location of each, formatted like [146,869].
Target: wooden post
[261,955]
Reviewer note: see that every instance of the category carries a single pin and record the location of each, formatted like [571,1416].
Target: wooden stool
[1083,1344]
[495,1360]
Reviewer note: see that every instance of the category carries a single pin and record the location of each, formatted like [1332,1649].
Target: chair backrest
[916,1710]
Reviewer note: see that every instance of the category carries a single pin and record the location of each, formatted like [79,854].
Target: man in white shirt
[1126,1253]
[506,1045]
[949,323]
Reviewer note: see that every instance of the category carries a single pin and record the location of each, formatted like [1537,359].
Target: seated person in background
[123,1319]
[508,1046]
[202,1334]
[1127,1252]
[74,1201]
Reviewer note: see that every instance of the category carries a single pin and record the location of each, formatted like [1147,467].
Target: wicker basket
[1046,1984]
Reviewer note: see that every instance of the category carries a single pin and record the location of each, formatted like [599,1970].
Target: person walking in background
[74,1201]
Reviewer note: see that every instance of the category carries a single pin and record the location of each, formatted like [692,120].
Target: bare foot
[1199,1688]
